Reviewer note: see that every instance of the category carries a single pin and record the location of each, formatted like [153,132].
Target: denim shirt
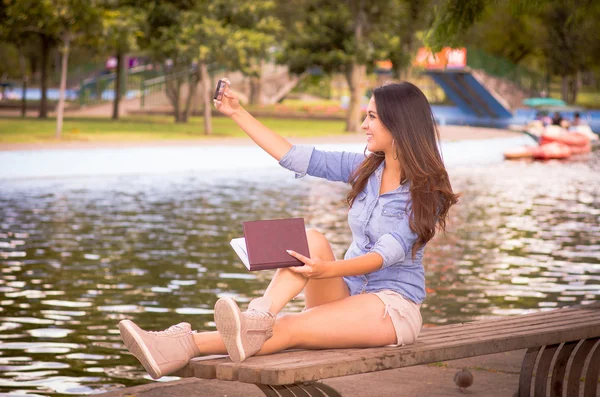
[379,223]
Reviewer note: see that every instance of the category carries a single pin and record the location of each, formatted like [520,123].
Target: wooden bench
[553,338]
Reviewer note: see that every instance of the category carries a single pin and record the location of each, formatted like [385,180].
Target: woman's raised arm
[270,141]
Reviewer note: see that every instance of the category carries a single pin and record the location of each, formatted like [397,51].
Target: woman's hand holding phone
[226,101]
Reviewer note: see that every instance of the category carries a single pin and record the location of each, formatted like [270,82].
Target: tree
[400,36]
[188,37]
[253,29]
[163,38]
[500,32]
[24,18]
[571,41]
[341,37]
[567,34]
[71,20]
[10,33]
[122,27]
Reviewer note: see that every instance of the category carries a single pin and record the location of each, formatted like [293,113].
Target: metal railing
[153,91]
[101,89]
[500,67]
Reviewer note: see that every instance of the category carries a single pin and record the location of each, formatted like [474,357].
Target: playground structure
[480,85]
[144,87]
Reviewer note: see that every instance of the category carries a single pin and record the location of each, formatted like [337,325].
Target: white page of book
[239,246]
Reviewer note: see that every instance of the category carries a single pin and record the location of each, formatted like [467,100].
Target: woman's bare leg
[284,286]
[320,291]
[355,321]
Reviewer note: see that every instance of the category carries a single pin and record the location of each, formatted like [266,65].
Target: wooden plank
[226,370]
[544,314]
[560,366]
[543,369]
[467,331]
[577,363]
[591,376]
[205,370]
[324,357]
[449,330]
[369,362]
[444,339]
[527,371]
[254,366]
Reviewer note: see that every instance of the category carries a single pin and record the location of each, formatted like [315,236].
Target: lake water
[90,237]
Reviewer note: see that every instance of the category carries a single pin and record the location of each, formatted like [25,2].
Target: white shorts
[405,315]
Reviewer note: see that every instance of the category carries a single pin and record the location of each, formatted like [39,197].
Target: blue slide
[473,98]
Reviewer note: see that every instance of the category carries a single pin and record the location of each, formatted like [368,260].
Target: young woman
[400,193]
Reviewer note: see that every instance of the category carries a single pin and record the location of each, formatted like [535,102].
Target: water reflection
[79,255]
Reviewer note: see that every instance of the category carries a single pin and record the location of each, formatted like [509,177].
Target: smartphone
[221,84]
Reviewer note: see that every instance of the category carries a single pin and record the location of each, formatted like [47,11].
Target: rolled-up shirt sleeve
[333,166]
[297,159]
[394,246]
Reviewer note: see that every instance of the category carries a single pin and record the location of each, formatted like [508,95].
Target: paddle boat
[555,141]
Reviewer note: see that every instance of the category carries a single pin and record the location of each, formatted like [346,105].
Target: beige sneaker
[244,333]
[161,353]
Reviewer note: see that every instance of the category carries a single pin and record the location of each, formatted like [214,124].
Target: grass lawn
[150,128]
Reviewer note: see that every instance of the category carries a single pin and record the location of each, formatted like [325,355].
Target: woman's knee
[318,245]
[284,328]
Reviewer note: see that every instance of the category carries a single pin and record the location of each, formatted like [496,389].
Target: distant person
[557,119]
[546,119]
[577,121]
[399,196]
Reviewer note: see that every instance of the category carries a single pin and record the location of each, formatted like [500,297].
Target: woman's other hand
[313,268]
[229,104]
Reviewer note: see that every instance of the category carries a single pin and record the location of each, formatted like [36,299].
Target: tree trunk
[173,94]
[24,81]
[256,84]
[178,84]
[118,82]
[44,77]
[63,86]
[33,62]
[24,98]
[192,89]
[206,98]
[255,90]
[574,88]
[355,75]
[564,88]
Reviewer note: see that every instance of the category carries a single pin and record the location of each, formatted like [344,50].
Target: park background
[120,185]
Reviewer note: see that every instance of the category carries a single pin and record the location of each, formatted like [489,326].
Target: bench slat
[354,363]
[512,328]
[507,321]
[435,344]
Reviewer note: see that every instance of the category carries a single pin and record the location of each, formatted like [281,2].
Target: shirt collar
[405,187]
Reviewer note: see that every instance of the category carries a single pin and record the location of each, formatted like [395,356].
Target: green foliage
[55,19]
[234,34]
[315,85]
[501,32]
[571,40]
[122,28]
[324,33]
[321,35]
[453,19]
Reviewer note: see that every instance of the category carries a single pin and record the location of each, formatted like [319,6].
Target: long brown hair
[404,110]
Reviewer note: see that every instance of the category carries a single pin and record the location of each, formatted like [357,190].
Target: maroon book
[266,242]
